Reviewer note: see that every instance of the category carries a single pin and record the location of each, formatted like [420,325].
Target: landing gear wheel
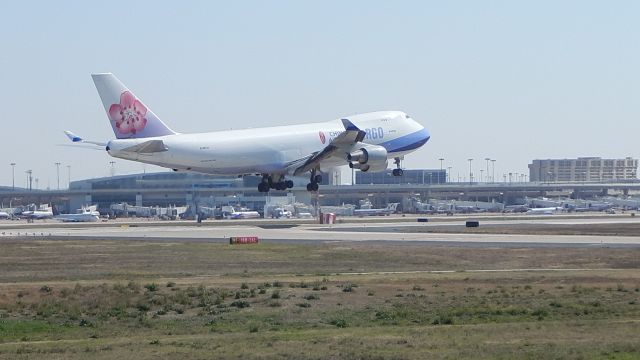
[289,184]
[317,179]
[312,186]
[263,187]
[398,170]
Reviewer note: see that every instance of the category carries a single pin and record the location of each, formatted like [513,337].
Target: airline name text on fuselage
[371,134]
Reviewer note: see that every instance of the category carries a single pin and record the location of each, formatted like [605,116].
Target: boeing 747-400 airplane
[364,141]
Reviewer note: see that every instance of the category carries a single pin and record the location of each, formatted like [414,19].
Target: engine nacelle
[368,158]
[376,167]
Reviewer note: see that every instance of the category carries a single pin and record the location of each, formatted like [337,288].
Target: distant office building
[583,169]
[422,176]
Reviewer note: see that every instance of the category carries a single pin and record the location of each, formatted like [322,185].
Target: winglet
[349,126]
[73,137]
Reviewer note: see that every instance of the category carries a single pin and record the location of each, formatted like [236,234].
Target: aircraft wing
[341,143]
[147,147]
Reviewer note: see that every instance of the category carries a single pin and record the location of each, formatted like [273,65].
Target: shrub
[303,305]
[45,289]
[143,307]
[171,284]
[341,323]
[417,288]
[244,286]
[349,287]
[442,320]
[540,313]
[311,297]
[275,295]
[240,304]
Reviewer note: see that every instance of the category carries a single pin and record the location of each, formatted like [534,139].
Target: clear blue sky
[510,80]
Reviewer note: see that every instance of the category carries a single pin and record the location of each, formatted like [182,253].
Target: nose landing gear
[398,170]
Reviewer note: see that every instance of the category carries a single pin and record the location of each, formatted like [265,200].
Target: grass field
[145,299]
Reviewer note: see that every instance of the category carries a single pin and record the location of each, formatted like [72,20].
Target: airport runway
[274,232]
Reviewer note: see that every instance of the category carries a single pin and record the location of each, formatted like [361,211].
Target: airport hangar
[166,189]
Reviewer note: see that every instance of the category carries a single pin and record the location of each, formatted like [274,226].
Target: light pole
[470,172]
[487,160]
[481,174]
[13,176]
[448,174]
[113,167]
[493,170]
[29,172]
[58,173]
[69,176]
[445,176]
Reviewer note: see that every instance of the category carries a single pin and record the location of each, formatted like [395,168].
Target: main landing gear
[397,171]
[268,183]
[314,181]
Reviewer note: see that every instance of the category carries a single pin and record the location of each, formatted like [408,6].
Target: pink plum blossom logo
[323,139]
[129,115]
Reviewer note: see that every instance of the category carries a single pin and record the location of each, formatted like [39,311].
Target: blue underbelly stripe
[408,142]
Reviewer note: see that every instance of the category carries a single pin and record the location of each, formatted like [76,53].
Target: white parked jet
[364,142]
[85,214]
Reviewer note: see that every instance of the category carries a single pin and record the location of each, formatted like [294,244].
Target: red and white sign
[243,240]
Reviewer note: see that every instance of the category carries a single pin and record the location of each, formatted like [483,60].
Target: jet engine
[368,158]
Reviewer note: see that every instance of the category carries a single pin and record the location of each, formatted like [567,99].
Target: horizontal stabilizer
[73,137]
[147,147]
[77,139]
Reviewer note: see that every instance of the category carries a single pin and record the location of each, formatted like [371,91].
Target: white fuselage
[272,150]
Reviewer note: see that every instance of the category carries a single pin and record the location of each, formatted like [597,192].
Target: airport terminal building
[592,169]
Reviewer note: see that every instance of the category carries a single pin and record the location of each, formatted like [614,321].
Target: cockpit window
[407,116]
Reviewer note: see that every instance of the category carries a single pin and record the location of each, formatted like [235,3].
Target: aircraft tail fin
[129,117]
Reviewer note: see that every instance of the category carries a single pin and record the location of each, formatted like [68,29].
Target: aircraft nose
[423,131]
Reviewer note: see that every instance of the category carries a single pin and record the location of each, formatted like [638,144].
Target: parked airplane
[364,141]
[544,211]
[390,209]
[244,215]
[4,215]
[42,212]
[86,214]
